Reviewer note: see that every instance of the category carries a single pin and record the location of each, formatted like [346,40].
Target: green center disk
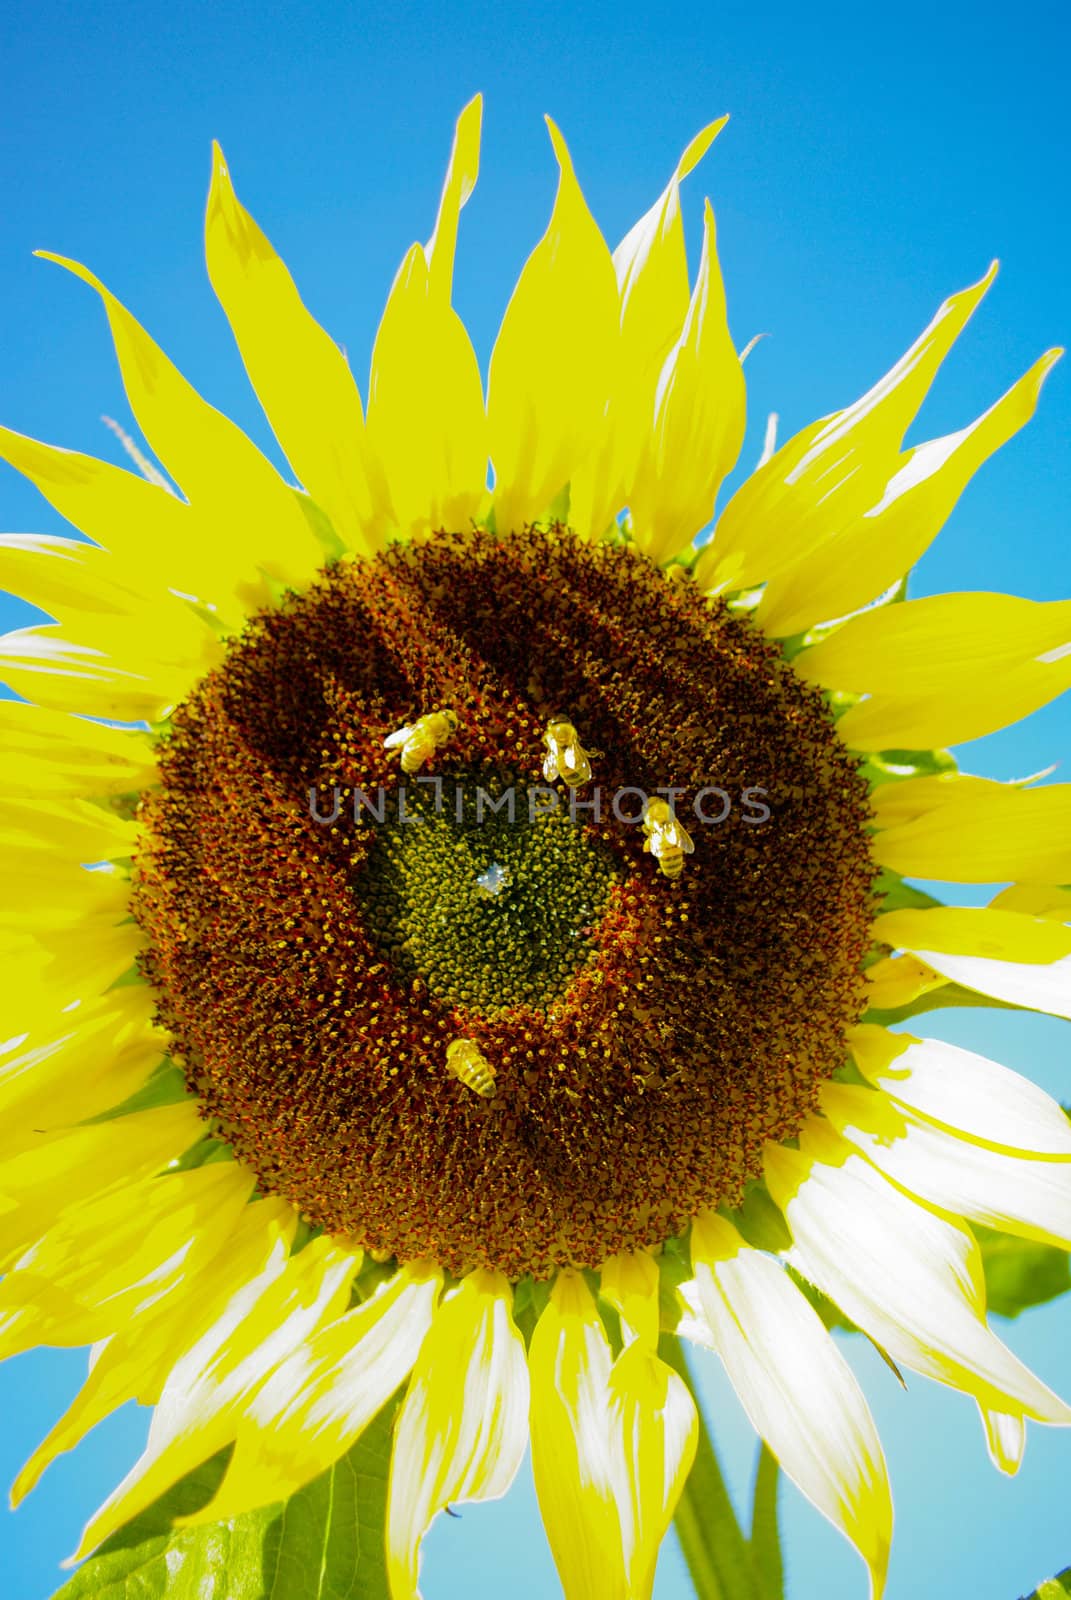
[493,908]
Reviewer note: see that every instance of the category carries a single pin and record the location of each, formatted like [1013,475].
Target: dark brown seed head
[646,1035]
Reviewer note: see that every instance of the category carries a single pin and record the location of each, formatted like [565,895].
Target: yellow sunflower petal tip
[697,149]
[561,149]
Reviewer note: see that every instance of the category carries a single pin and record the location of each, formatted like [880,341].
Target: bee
[566,757]
[419,740]
[468,1064]
[667,839]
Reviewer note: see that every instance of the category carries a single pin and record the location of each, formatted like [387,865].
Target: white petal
[319,1400]
[908,1277]
[963,1091]
[1014,1193]
[1036,987]
[796,1387]
[463,1427]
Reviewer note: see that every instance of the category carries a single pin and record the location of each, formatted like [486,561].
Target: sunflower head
[497,909]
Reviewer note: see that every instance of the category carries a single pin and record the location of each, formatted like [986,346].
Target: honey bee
[566,757]
[419,740]
[667,839]
[468,1064]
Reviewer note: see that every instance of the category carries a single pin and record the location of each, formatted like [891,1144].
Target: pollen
[471,1007]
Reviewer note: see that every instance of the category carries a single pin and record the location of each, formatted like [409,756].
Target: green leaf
[718,1556]
[325,1543]
[1020,1272]
[1057,1588]
[892,766]
[765,1534]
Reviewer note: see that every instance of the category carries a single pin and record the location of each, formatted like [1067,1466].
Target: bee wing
[550,766]
[393,740]
[683,838]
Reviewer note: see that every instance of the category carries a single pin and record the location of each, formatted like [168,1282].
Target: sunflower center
[532,1029]
[484,894]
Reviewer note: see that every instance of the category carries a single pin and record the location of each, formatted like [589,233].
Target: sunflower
[456,934]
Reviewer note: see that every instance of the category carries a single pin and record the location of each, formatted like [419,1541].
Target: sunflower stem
[718,1555]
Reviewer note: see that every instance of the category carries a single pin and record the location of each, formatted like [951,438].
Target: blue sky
[877,159]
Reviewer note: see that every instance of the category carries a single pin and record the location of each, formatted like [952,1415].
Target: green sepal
[202,1154]
[165,1086]
[1021,1272]
[530,1296]
[896,895]
[673,1270]
[324,1543]
[759,1221]
[322,526]
[892,766]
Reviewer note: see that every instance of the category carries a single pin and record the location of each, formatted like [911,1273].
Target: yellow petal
[943,669]
[78,829]
[862,556]
[64,1170]
[835,470]
[461,175]
[67,967]
[300,375]
[555,360]
[698,424]
[75,581]
[652,282]
[612,1445]
[569,1362]
[1013,1193]
[45,874]
[105,1260]
[463,1427]
[897,980]
[1005,1436]
[796,1387]
[213,1384]
[45,666]
[961,1091]
[968,830]
[143,525]
[426,419]
[909,1277]
[974,931]
[1004,954]
[212,461]
[320,1399]
[1036,899]
[70,753]
[134,1364]
[654,1429]
[84,1064]
[630,1282]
